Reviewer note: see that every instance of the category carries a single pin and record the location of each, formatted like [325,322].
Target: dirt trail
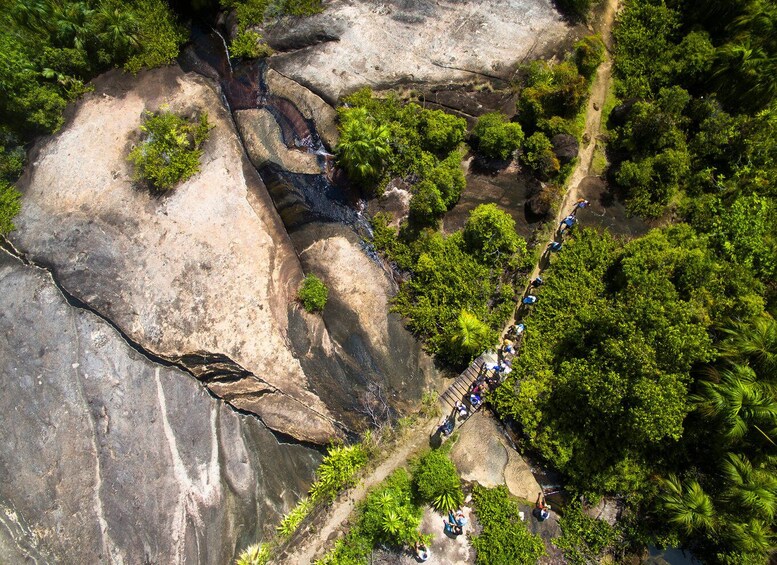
[593,122]
[319,535]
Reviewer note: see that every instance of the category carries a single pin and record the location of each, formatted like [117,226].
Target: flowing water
[300,199]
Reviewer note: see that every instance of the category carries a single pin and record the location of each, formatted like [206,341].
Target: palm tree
[363,145]
[118,29]
[754,536]
[739,404]
[755,342]
[750,489]
[744,75]
[471,335]
[687,505]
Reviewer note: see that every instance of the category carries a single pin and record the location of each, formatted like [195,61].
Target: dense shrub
[388,515]
[313,293]
[495,137]
[490,235]
[589,54]
[170,151]
[551,91]
[440,132]
[249,44]
[584,539]
[539,157]
[10,204]
[605,365]
[363,147]
[437,481]
[504,539]
[337,471]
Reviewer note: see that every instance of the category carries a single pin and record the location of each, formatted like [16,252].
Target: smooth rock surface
[309,104]
[107,456]
[484,455]
[356,43]
[204,271]
[264,145]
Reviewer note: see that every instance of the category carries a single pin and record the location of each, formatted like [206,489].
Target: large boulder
[356,43]
[110,457]
[565,147]
[204,276]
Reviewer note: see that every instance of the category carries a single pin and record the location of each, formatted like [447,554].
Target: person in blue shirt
[555,246]
[531,299]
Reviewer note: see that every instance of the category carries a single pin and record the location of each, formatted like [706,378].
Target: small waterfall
[226,49]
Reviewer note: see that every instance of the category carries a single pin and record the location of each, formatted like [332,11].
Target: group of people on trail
[454,523]
[567,224]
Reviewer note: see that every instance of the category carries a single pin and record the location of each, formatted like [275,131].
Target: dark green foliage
[504,539]
[441,133]
[457,296]
[388,514]
[437,481]
[426,204]
[584,539]
[363,145]
[490,235]
[171,149]
[589,54]
[313,293]
[448,178]
[538,156]
[249,44]
[10,205]
[495,137]
[605,366]
[551,91]
[578,9]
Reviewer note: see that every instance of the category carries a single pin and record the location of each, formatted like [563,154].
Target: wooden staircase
[459,389]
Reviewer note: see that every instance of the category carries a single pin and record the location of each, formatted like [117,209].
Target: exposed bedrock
[356,43]
[203,275]
[107,456]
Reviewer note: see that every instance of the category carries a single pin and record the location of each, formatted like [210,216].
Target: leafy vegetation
[504,539]
[313,293]
[248,13]
[171,150]
[584,539]
[336,472]
[257,554]
[388,515]
[495,137]
[381,139]
[605,366]
[459,295]
[437,481]
[51,49]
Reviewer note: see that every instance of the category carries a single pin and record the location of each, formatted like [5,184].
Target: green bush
[589,54]
[293,519]
[426,204]
[313,293]
[449,179]
[441,133]
[584,539]
[437,481]
[490,235]
[257,554]
[249,44]
[337,471]
[504,539]
[495,137]
[388,515]
[550,90]
[170,152]
[538,156]
[10,204]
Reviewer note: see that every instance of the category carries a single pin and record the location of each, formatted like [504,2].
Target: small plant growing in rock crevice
[313,293]
[171,150]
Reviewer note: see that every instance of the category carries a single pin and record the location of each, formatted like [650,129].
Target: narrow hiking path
[311,543]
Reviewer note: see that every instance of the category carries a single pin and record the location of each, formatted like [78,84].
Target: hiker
[475,399]
[446,428]
[421,551]
[582,203]
[460,518]
[537,282]
[542,507]
[568,222]
[507,347]
[555,246]
[451,527]
[531,299]
[519,329]
[463,412]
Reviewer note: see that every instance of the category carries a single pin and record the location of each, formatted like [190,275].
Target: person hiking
[581,203]
[463,412]
[421,551]
[460,518]
[543,509]
[451,527]
[446,428]
[555,245]
[537,282]
[568,222]
[531,299]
